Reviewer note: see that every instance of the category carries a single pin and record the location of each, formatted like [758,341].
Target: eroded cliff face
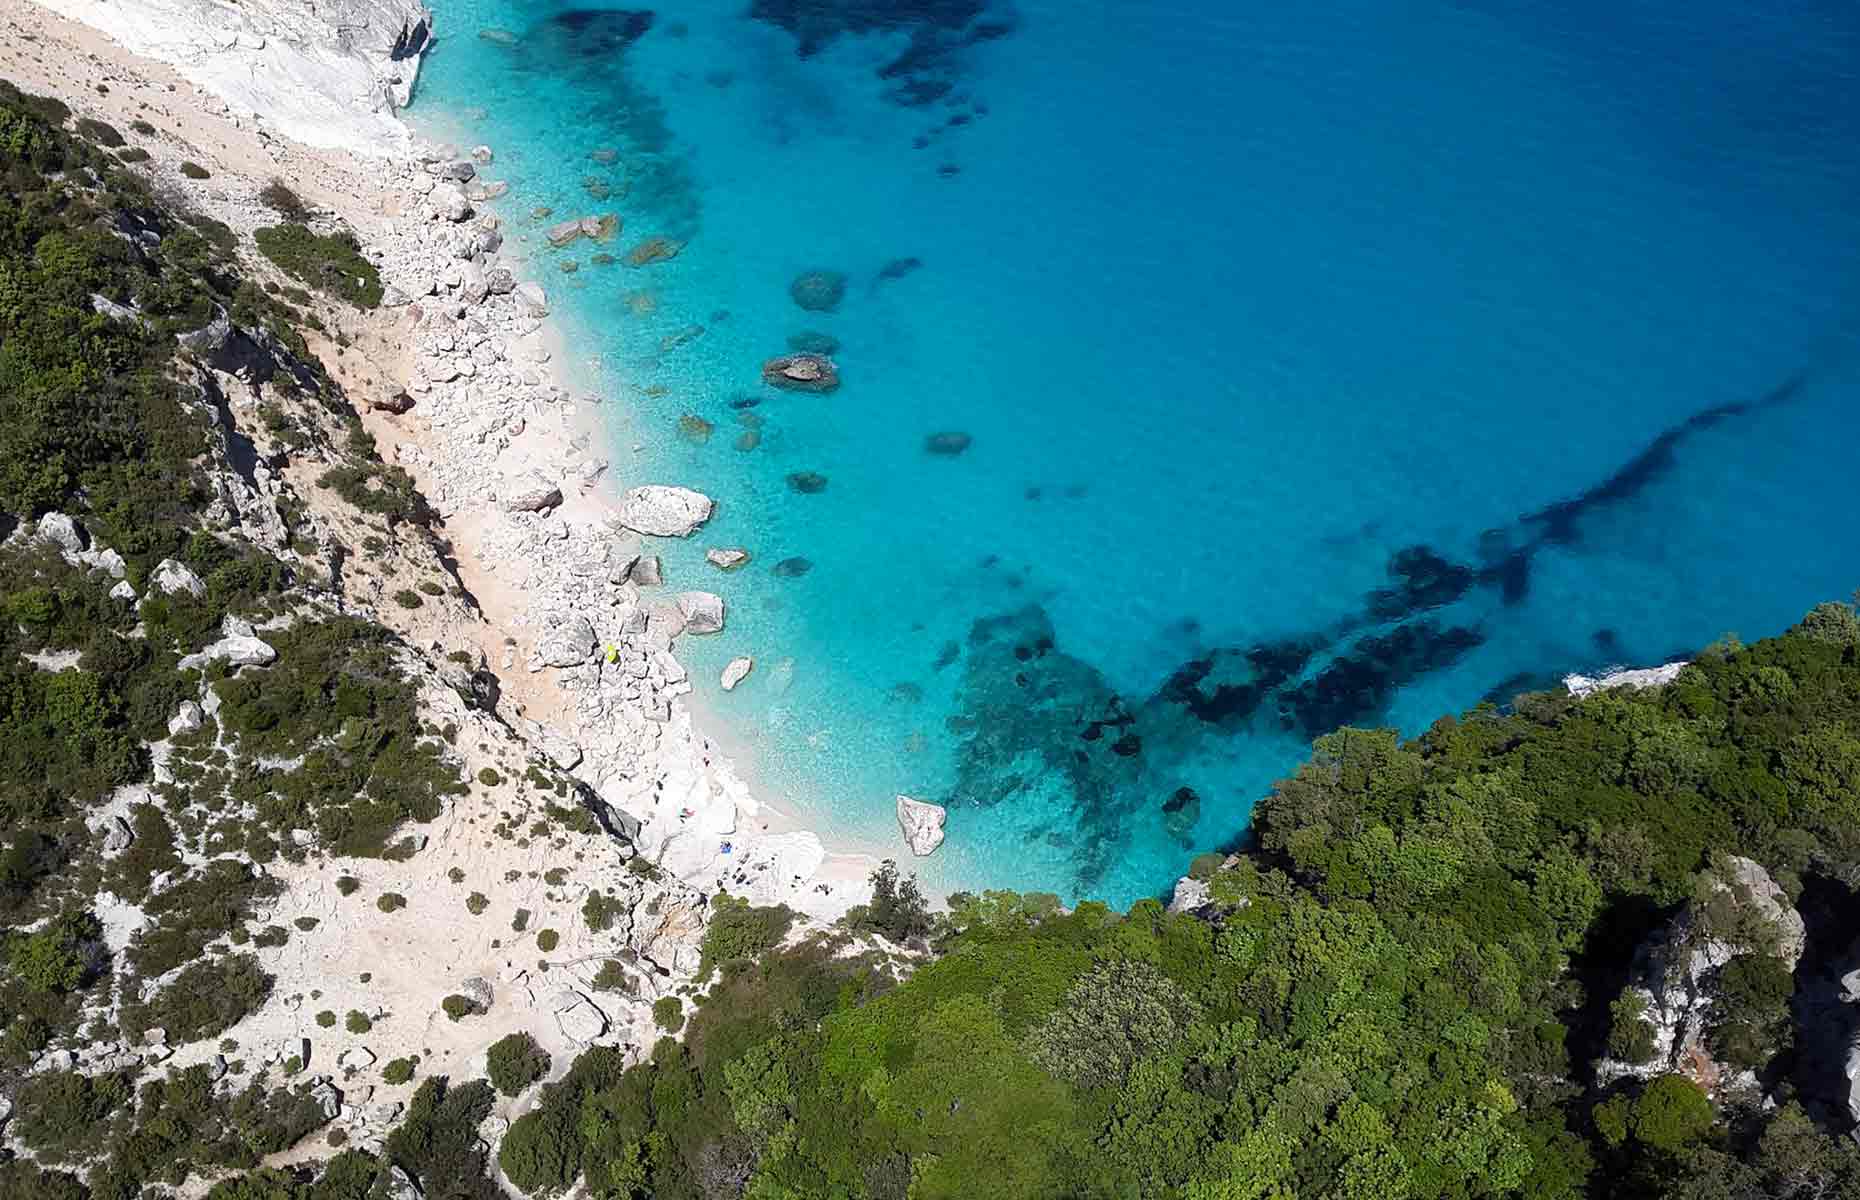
[329,74]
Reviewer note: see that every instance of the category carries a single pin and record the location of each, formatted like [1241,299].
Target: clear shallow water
[1237,306]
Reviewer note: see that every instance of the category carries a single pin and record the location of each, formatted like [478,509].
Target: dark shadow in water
[928,69]
[1033,719]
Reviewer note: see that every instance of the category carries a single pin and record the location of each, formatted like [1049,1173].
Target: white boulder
[922,823]
[171,578]
[703,611]
[661,511]
[531,492]
[737,671]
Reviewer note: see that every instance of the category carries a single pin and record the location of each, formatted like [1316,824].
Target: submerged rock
[952,443]
[810,341]
[748,440]
[818,291]
[661,511]
[694,428]
[808,483]
[793,568]
[653,250]
[922,823]
[898,268]
[801,373]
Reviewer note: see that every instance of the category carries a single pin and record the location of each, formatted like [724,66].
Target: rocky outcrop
[801,373]
[1587,685]
[922,823]
[1674,982]
[660,511]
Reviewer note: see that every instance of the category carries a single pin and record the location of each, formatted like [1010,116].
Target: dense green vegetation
[1396,993]
[327,262]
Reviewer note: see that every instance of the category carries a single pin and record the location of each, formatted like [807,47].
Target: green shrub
[457,1007]
[60,1111]
[438,1144]
[399,1070]
[389,902]
[600,911]
[194,170]
[101,132]
[668,1012]
[59,957]
[203,999]
[514,1062]
[612,977]
[737,929]
[476,903]
[326,1019]
[348,885]
[489,777]
[547,940]
[408,598]
[1630,1036]
[898,909]
[357,1022]
[279,198]
[133,155]
[329,263]
[141,127]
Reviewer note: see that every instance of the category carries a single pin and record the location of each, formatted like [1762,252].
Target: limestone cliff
[329,74]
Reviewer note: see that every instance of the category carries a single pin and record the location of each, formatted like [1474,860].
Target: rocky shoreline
[545,638]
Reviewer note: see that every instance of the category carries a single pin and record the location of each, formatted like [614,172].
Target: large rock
[726,558]
[63,532]
[531,492]
[237,650]
[922,823]
[577,1017]
[703,611]
[736,671]
[1740,910]
[801,373]
[570,643]
[661,511]
[1190,894]
[171,578]
[532,299]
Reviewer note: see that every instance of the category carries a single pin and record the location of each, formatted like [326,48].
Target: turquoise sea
[1319,363]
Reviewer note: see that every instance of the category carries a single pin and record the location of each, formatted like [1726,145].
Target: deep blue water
[1324,362]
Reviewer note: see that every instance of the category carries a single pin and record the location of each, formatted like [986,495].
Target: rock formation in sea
[922,823]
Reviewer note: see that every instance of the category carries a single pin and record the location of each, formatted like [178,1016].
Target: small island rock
[737,671]
[922,823]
